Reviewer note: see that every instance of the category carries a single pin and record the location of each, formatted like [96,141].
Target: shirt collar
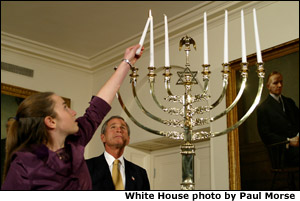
[110,159]
[275,97]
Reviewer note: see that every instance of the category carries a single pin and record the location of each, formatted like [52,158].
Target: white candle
[167,58]
[258,52]
[143,37]
[151,41]
[205,40]
[244,57]
[226,38]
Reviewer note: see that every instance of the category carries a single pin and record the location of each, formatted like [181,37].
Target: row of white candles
[167,59]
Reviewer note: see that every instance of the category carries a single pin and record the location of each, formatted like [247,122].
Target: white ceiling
[84,28]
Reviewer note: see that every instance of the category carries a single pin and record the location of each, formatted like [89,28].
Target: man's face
[116,134]
[275,84]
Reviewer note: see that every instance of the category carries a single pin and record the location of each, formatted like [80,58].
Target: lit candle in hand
[143,37]
[167,58]
[258,52]
[205,40]
[244,58]
[151,41]
[226,38]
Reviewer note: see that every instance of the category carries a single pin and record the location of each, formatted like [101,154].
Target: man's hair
[103,129]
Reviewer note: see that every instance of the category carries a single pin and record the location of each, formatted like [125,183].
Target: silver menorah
[189,113]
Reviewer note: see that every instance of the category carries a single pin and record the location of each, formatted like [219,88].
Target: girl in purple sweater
[45,144]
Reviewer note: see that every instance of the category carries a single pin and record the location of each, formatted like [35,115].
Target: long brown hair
[29,127]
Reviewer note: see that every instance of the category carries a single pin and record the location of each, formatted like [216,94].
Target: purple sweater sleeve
[91,120]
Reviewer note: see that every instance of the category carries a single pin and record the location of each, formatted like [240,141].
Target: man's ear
[102,136]
[50,122]
[128,140]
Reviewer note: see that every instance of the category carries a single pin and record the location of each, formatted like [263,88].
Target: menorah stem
[187,149]
[187,62]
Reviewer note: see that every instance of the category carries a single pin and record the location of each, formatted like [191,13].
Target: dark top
[136,177]
[3,141]
[275,125]
[39,168]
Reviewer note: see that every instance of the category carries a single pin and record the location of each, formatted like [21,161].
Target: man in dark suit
[115,136]
[278,119]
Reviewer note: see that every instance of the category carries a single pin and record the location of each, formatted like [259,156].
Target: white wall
[278,22]
[48,76]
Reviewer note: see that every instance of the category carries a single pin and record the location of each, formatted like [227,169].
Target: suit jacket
[136,177]
[275,125]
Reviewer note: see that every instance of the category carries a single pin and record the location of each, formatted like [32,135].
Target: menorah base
[187,186]
[188,153]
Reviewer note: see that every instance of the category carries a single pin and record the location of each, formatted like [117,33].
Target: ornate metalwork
[189,120]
